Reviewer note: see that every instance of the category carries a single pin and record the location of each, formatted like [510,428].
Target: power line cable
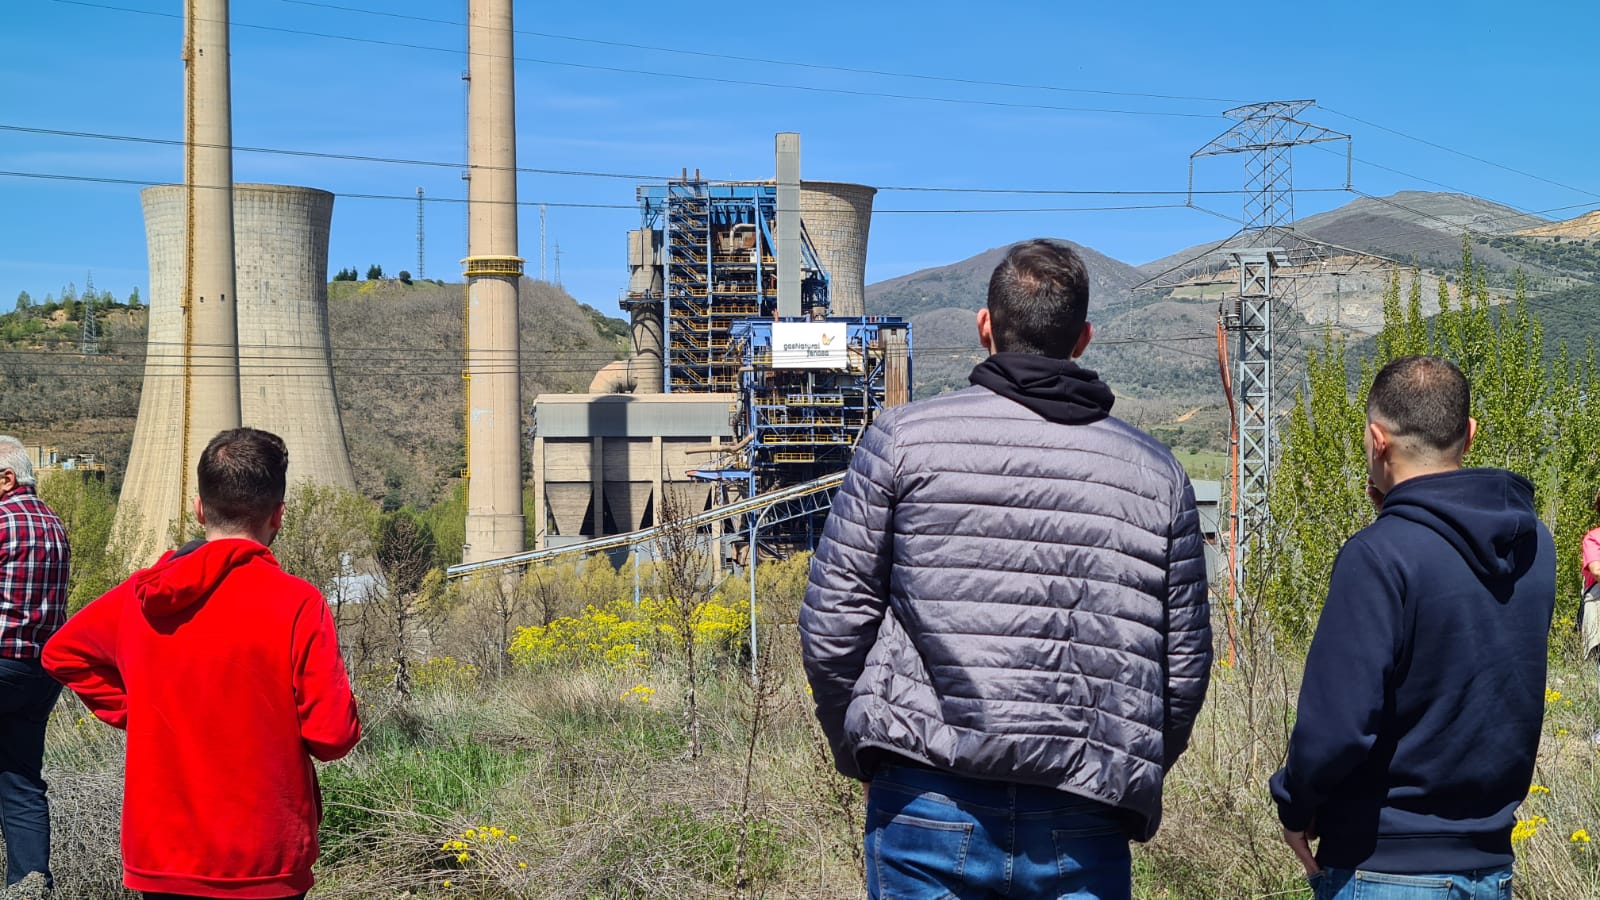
[317,154]
[926,98]
[1461,153]
[776,62]
[365,158]
[412,198]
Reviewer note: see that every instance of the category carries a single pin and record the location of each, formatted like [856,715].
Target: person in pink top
[1589,608]
[1591,555]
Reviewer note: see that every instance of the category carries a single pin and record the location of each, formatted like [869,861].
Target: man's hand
[1300,843]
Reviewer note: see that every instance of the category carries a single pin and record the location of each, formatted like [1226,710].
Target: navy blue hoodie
[1423,694]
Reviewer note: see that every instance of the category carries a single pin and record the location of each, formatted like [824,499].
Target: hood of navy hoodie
[1487,515]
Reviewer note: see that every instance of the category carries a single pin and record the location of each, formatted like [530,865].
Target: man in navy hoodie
[1424,687]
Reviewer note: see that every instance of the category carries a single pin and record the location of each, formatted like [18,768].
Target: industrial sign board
[809,345]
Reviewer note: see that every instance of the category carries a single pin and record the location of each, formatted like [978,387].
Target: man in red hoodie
[225,671]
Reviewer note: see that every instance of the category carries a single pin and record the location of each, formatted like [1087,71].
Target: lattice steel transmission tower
[89,335]
[421,273]
[1265,263]
[1266,134]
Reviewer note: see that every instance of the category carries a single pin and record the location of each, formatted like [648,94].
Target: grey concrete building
[603,463]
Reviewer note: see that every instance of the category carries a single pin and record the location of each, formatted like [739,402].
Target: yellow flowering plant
[1526,828]
[622,636]
[474,845]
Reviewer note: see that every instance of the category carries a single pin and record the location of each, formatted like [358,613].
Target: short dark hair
[1427,403]
[243,477]
[1039,299]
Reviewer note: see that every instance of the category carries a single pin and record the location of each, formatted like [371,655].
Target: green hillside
[397,369]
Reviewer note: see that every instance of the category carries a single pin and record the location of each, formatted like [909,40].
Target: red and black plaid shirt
[34,557]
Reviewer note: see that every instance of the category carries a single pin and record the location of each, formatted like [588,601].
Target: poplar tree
[1539,419]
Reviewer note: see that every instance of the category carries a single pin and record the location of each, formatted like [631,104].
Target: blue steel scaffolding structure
[718,255]
[718,296]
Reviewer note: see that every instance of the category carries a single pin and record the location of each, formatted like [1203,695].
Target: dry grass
[1221,839]
[606,802]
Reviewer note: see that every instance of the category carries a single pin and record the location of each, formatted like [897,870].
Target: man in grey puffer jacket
[1007,631]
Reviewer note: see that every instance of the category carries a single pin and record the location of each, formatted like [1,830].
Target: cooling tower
[285,372]
[494,525]
[837,217]
[285,356]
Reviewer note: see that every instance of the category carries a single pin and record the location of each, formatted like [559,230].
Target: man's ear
[199,512]
[1378,438]
[277,517]
[1084,337]
[986,330]
[1472,432]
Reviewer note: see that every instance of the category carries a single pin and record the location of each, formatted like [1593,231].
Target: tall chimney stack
[788,163]
[204,355]
[210,300]
[494,525]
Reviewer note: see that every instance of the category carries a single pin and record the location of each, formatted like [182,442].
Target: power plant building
[285,357]
[729,394]
[604,463]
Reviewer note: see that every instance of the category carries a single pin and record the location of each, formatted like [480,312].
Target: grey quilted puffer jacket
[1005,597]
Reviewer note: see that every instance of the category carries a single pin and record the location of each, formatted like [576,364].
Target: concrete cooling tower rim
[840,185]
[252,186]
[807,184]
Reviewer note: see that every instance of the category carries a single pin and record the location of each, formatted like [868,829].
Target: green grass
[1203,464]
[397,771]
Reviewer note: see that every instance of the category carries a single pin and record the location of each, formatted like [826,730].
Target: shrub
[620,635]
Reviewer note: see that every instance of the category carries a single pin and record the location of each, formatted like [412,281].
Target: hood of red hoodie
[187,576]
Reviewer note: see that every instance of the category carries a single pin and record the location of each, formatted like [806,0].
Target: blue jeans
[27,695]
[1349,884]
[935,836]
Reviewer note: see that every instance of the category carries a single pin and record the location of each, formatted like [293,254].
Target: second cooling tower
[837,217]
[285,357]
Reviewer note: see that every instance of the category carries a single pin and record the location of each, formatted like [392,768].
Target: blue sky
[1510,85]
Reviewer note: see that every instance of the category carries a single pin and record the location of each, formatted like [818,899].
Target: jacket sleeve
[849,587]
[1348,669]
[329,725]
[82,656]
[1188,638]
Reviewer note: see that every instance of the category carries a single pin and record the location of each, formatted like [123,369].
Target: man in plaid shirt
[33,604]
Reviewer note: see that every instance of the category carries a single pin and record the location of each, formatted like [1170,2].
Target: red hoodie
[226,673]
